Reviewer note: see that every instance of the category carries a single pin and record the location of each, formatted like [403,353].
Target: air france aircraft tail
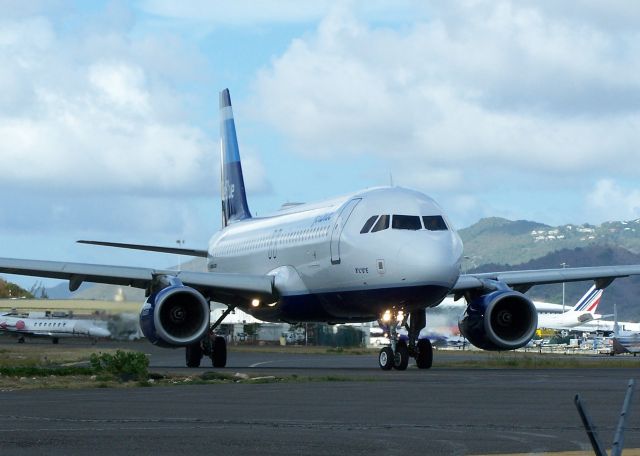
[234,198]
[589,302]
[576,317]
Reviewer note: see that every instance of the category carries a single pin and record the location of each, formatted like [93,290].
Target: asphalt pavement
[349,406]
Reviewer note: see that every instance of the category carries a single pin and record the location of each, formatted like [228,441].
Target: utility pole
[564,265]
[180,243]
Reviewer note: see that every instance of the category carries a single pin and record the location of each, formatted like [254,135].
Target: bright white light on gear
[386,316]
[255,303]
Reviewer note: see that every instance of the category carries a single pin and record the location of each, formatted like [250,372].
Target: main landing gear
[396,355]
[215,347]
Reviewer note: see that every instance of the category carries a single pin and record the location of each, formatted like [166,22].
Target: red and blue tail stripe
[589,302]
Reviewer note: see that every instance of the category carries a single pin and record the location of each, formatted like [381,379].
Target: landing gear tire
[219,352]
[401,358]
[424,357]
[386,358]
[193,354]
[55,341]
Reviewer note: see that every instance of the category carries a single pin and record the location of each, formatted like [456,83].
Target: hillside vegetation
[496,244]
[501,241]
[11,290]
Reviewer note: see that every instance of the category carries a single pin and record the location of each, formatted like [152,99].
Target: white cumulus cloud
[479,85]
[99,112]
[610,201]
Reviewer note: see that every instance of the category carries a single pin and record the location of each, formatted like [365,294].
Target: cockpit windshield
[406,222]
[381,224]
[368,224]
[434,223]
[377,223]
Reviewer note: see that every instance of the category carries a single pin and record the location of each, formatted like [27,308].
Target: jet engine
[175,316]
[500,320]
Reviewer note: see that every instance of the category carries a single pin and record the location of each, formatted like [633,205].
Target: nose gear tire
[401,358]
[385,358]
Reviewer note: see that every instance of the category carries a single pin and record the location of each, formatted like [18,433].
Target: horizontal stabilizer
[151,248]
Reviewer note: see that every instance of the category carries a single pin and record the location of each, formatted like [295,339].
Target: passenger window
[381,224]
[368,224]
[406,222]
[434,223]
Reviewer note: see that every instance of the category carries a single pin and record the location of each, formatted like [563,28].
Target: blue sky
[109,123]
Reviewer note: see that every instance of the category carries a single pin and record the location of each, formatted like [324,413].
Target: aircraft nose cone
[431,261]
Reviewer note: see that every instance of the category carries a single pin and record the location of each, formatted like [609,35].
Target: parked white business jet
[53,327]
[384,253]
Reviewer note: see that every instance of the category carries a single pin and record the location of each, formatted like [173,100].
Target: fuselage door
[338,226]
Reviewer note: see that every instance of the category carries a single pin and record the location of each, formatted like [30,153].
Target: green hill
[10,290]
[502,241]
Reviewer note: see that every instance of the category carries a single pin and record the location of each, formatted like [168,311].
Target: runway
[352,408]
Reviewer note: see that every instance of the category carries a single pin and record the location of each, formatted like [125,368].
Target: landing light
[400,316]
[255,303]
[386,316]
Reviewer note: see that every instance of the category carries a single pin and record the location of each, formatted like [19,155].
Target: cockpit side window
[434,223]
[381,224]
[368,224]
[406,222]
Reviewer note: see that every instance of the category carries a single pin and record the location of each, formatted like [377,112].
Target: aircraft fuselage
[327,269]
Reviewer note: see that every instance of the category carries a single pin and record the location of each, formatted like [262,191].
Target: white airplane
[607,326]
[583,312]
[53,327]
[380,253]
[582,317]
[624,340]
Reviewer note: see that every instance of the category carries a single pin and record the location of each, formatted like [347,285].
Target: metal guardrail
[618,437]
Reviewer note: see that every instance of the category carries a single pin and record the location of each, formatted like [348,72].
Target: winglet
[234,198]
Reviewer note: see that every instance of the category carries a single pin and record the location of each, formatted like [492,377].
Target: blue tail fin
[234,198]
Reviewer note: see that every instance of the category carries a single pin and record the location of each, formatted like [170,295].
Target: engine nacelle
[500,320]
[175,316]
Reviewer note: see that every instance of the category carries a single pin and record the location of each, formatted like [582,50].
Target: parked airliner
[52,327]
[584,311]
[386,253]
[582,317]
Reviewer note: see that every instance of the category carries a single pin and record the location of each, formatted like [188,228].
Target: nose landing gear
[396,355]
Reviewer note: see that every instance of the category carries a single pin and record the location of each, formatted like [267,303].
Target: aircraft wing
[218,286]
[523,280]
